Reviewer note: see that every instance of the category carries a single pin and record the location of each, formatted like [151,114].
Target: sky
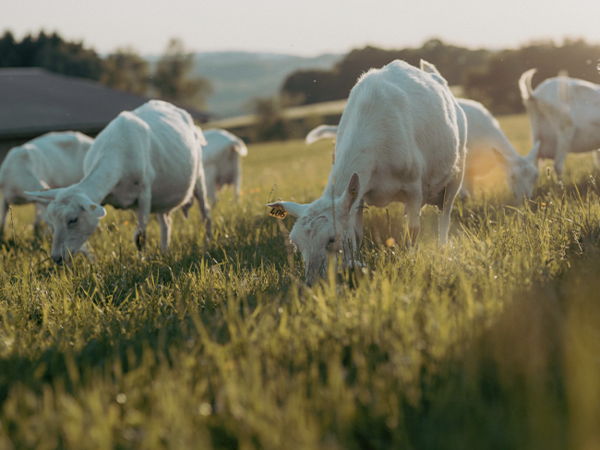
[301,27]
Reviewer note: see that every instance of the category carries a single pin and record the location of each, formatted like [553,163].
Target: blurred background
[271,70]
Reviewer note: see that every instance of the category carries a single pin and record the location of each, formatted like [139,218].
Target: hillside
[239,76]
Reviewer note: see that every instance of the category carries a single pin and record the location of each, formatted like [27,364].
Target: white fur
[222,162]
[149,159]
[54,160]
[487,147]
[564,114]
[401,139]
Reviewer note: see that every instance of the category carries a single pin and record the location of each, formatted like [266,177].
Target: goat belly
[587,140]
[166,201]
[117,203]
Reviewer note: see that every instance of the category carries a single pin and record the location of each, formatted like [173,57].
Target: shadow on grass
[531,380]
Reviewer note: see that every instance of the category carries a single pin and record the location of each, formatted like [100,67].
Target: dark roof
[34,101]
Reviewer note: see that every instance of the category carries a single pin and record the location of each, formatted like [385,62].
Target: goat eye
[331,241]
[73,221]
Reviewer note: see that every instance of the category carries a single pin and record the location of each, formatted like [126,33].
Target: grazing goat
[564,115]
[149,159]
[401,139]
[222,162]
[54,160]
[486,144]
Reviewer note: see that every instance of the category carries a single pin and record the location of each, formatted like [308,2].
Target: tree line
[490,77]
[124,69]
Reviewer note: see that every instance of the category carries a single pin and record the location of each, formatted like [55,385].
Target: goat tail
[321,132]
[240,148]
[525,84]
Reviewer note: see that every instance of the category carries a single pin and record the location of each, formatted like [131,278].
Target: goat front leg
[83,249]
[358,224]
[40,210]
[210,186]
[467,189]
[237,184]
[200,195]
[414,202]
[565,135]
[3,211]
[560,157]
[444,221]
[143,215]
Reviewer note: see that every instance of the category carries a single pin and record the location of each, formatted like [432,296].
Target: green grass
[489,342]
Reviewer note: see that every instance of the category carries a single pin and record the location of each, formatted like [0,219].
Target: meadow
[489,342]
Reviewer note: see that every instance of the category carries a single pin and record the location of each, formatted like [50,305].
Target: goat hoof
[208,225]
[140,241]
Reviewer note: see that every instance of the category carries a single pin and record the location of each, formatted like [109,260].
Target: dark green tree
[319,86]
[270,123]
[50,52]
[172,80]
[495,84]
[311,86]
[127,71]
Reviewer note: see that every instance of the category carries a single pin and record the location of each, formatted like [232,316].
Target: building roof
[34,101]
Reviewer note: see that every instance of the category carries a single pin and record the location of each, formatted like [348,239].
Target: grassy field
[491,342]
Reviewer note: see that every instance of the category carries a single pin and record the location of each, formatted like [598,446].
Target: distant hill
[238,76]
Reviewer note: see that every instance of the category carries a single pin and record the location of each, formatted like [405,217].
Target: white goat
[222,162]
[149,159]
[401,139]
[564,114]
[487,146]
[54,160]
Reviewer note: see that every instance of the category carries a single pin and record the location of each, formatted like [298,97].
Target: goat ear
[428,67]
[295,209]
[95,209]
[351,194]
[499,157]
[45,196]
[535,151]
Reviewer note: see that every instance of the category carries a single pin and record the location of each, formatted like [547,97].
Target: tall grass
[489,342]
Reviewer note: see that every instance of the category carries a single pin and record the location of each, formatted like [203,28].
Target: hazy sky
[305,27]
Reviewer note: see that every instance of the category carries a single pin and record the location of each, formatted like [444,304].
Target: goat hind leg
[200,195]
[165,222]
